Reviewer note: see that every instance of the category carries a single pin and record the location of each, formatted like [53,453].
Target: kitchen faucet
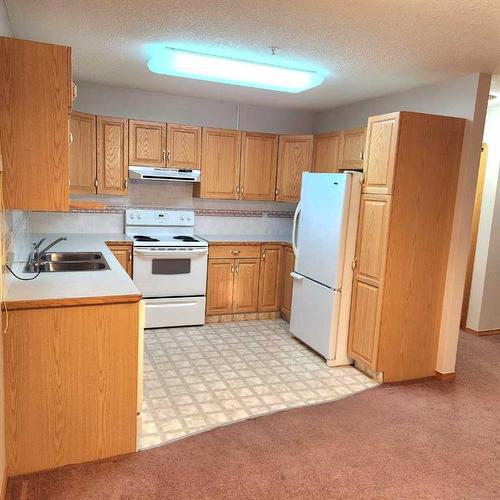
[36,254]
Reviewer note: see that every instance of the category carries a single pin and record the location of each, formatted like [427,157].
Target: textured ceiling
[369,47]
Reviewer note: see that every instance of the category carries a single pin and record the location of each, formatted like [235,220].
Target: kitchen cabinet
[327,152]
[183,146]
[246,285]
[71,383]
[288,265]
[147,143]
[270,278]
[220,164]
[124,255]
[401,258]
[233,279]
[35,99]
[352,148]
[259,153]
[294,157]
[82,153]
[112,155]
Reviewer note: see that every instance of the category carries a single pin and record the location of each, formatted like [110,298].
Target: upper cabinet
[112,155]
[183,146]
[147,143]
[337,151]
[352,149]
[82,153]
[35,98]
[327,151]
[259,154]
[220,164]
[382,136]
[294,157]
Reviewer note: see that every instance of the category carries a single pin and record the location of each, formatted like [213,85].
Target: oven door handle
[174,254]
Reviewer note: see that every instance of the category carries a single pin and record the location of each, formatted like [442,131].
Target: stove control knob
[132,216]
[138,216]
[182,217]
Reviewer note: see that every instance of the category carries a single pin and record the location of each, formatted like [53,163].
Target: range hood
[163,174]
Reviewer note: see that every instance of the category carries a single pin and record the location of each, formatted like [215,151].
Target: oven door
[170,272]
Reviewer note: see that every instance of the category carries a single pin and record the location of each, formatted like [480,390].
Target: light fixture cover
[186,64]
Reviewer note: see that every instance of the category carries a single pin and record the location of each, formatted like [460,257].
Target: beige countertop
[111,283]
[244,238]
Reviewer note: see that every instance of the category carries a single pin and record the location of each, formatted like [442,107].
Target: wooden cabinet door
[371,245]
[259,155]
[381,141]
[220,164]
[34,97]
[82,153]
[183,146]
[220,286]
[270,278]
[123,254]
[327,152]
[371,251]
[364,323]
[246,285]
[147,143]
[112,155]
[294,157]
[287,282]
[352,149]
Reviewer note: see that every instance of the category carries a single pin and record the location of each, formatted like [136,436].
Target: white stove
[170,266]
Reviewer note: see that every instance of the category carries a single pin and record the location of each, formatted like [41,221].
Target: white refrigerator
[324,241]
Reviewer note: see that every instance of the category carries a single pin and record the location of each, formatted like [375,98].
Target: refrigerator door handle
[294,229]
[296,276]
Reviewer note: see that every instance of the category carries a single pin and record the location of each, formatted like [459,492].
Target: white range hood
[163,174]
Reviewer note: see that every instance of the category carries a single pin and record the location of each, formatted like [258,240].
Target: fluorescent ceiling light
[185,64]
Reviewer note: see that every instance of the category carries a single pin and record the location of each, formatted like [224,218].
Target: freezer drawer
[314,317]
[175,311]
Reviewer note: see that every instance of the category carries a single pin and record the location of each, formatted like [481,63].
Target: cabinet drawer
[234,251]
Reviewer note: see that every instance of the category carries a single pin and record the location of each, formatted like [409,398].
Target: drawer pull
[235,252]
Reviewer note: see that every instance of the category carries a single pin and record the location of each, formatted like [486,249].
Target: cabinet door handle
[237,188]
[164,154]
[263,255]
[277,191]
[354,264]
[129,256]
[362,155]
[237,269]
[125,183]
[168,156]
[95,183]
[70,138]
[241,189]
[232,268]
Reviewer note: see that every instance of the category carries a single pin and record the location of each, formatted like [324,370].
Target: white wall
[131,103]
[464,97]
[484,313]
[452,98]
[5,27]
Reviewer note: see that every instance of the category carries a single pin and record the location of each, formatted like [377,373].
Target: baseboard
[447,377]
[221,318]
[481,333]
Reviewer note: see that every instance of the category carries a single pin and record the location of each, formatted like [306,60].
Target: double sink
[51,262]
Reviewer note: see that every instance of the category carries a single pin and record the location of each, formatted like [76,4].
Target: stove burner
[185,238]
[140,237]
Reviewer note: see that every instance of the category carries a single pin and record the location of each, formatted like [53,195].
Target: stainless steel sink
[53,262]
[71,256]
[51,267]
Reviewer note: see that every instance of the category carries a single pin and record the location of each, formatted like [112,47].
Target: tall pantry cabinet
[408,197]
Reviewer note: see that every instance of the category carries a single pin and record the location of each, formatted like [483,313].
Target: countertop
[244,238]
[111,283]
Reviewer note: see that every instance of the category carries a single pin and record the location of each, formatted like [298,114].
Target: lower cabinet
[288,265]
[270,277]
[71,383]
[232,286]
[123,254]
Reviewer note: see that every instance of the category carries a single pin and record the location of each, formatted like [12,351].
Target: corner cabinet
[294,157]
[35,100]
[411,174]
[112,155]
[220,164]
